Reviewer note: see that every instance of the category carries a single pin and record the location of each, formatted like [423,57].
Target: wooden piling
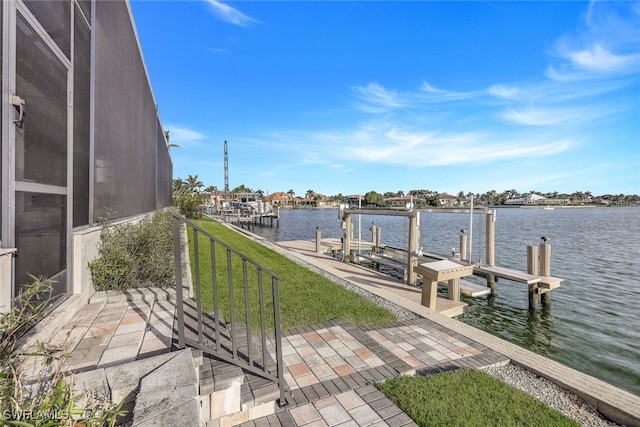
[532,268]
[545,269]
[318,240]
[490,250]
[346,240]
[412,248]
[463,246]
[490,231]
[374,233]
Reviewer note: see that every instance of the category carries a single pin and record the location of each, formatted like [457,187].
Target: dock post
[346,241]
[463,246]
[318,240]
[490,251]
[532,268]
[374,233]
[412,249]
[545,269]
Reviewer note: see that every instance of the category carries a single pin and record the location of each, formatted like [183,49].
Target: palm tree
[193,184]
[166,136]
[178,186]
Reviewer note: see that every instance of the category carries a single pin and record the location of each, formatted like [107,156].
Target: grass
[469,398]
[306,298]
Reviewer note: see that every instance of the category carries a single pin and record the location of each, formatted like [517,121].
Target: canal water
[593,322]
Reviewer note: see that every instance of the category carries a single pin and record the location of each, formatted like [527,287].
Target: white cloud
[598,58]
[501,91]
[229,14]
[377,99]
[544,116]
[434,93]
[183,135]
[421,149]
[608,44]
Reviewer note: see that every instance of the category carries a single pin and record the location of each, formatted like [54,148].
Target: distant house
[530,199]
[279,198]
[403,201]
[216,200]
[447,200]
[355,200]
[597,201]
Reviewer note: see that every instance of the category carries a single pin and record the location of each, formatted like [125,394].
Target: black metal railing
[220,318]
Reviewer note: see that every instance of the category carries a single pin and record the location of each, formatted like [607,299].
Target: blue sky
[348,97]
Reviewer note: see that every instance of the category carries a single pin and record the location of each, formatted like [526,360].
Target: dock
[365,278]
[415,264]
[250,218]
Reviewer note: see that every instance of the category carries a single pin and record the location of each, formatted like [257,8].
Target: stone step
[227,393]
[159,390]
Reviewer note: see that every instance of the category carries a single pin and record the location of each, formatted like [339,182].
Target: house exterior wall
[107,147]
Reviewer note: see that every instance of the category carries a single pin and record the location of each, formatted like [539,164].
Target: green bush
[189,205]
[47,397]
[135,255]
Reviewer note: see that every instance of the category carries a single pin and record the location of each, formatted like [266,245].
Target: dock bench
[434,272]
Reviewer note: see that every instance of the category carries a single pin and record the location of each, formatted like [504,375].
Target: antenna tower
[226,171]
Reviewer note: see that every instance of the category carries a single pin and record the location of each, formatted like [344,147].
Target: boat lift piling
[538,275]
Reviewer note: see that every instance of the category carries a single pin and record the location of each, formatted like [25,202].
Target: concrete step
[230,396]
[159,390]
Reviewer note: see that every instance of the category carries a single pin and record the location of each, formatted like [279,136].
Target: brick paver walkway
[330,368]
[102,335]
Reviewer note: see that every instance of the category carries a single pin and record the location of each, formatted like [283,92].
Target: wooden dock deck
[363,277]
[396,258]
[542,282]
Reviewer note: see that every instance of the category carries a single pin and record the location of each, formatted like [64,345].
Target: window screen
[40,235]
[41,142]
[125,141]
[81,125]
[55,17]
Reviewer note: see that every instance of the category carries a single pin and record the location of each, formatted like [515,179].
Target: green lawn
[306,298]
[469,398]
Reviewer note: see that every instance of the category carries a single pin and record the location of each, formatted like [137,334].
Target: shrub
[47,398]
[189,205]
[135,255]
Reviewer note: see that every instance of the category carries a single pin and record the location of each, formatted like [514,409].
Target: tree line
[190,193]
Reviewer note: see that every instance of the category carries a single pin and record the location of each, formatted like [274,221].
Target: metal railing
[218,319]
